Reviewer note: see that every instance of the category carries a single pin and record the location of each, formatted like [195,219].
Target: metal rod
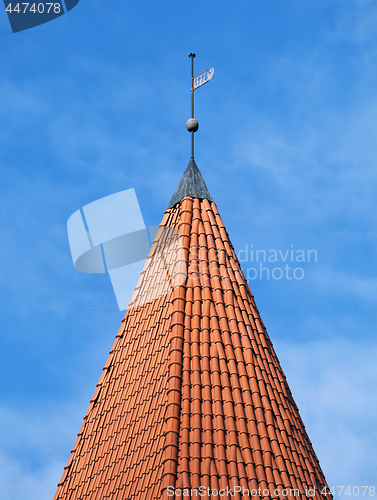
[192,56]
[192,84]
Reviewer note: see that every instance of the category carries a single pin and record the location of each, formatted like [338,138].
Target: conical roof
[192,184]
[192,394]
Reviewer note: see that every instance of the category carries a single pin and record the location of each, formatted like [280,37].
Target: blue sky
[96,102]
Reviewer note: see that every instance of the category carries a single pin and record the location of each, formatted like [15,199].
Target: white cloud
[319,153]
[341,283]
[35,448]
[333,384]
[18,482]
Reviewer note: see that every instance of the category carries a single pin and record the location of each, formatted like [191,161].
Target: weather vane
[192,124]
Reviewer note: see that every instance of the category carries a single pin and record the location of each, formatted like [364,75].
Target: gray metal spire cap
[192,184]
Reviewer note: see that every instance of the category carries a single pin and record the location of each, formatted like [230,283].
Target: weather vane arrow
[203,78]
[192,124]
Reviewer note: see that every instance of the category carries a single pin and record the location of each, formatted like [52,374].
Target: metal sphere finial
[192,125]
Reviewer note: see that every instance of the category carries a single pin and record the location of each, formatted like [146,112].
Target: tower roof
[192,394]
[192,184]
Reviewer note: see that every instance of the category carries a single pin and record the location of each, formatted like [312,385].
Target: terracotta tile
[192,392]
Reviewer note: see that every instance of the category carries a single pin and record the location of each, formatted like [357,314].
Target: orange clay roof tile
[192,393]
